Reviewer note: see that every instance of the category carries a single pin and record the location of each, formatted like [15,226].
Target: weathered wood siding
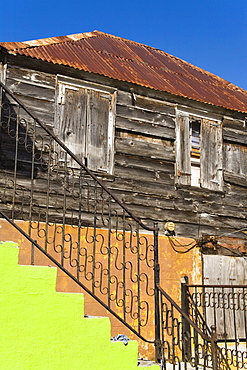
[145,171]
[144,161]
[35,89]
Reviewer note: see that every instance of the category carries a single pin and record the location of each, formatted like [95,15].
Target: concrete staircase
[41,329]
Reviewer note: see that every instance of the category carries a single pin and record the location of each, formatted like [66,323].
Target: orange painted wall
[173,266]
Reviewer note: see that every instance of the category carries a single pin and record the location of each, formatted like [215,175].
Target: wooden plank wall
[144,165]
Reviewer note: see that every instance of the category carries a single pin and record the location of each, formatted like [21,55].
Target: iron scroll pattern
[74,218]
[224,306]
[184,344]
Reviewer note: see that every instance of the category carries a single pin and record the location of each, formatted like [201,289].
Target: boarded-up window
[235,164]
[199,152]
[226,307]
[85,123]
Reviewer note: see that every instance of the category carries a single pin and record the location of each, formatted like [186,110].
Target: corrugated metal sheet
[125,60]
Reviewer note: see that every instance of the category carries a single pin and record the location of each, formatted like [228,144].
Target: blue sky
[211,34]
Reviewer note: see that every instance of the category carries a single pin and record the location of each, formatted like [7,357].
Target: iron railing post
[186,334]
[158,351]
[214,348]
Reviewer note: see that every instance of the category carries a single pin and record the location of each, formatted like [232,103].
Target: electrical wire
[180,244]
[177,245]
[174,246]
[225,223]
[233,251]
[234,232]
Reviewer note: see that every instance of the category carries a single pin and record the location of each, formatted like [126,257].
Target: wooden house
[168,139]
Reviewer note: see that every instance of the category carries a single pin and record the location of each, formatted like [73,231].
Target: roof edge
[11,46]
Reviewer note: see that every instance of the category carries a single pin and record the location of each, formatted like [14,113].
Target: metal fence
[224,307]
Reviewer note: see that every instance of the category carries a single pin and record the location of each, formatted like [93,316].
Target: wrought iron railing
[224,307]
[74,218]
[190,306]
[81,226]
[184,344]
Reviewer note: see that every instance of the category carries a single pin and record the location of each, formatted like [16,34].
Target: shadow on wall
[18,142]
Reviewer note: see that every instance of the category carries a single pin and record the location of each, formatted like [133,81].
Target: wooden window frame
[211,151]
[195,154]
[106,92]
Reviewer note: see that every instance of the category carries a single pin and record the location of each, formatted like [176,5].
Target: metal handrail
[183,314]
[198,313]
[224,305]
[216,286]
[106,227]
[53,260]
[199,349]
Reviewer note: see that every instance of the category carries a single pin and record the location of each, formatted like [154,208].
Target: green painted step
[41,329]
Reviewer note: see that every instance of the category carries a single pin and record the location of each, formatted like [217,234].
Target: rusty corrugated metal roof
[125,60]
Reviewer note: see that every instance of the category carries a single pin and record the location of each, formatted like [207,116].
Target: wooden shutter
[235,164]
[225,270]
[71,120]
[99,131]
[183,150]
[211,155]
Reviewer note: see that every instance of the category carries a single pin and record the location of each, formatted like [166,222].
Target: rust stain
[125,60]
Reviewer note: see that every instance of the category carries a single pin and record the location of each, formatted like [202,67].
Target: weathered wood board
[144,168]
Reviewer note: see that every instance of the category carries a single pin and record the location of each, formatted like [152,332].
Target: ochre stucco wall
[173,266]
[42,329]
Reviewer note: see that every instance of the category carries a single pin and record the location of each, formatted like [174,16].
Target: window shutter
[225,270]
[72,119]
[211,155]
[235,159]
[99,147]
[85,120]
[183,164]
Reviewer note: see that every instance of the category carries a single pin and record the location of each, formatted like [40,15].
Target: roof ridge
[226,84]
[138,66]
[79,36]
